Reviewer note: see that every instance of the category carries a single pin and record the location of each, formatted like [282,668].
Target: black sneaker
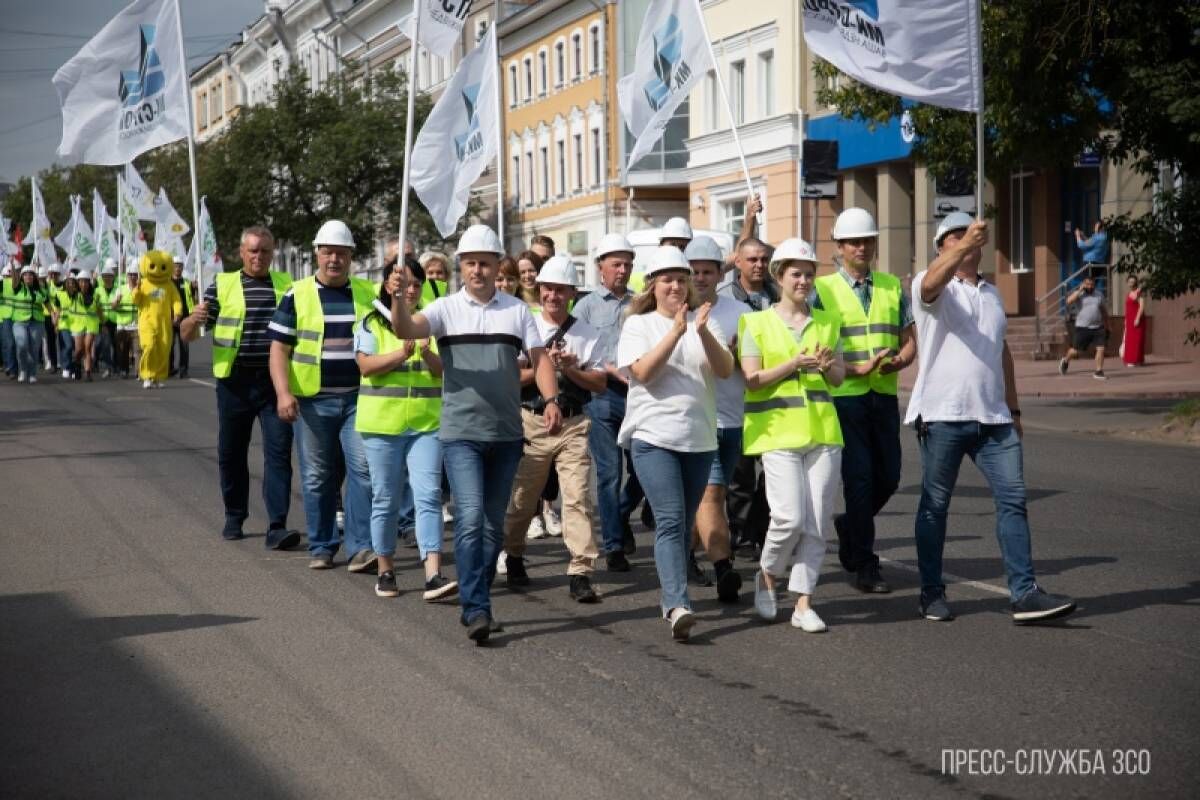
[617,562]
[1099,375]
[582,591]
[282,539]
[1062,366]
[647,515]
[517,576]
[1039,606]
[729,582]
[869,580]
[232,534]
[385,586]
[438,587]
[695,574]
[479,629]
[936,608]
[628,543]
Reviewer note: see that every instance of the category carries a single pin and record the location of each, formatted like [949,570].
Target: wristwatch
[555,401]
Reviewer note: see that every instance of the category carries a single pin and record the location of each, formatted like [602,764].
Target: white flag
[64,237]
[39,234]
[167,224]
[203,255]
[458,139]
[441,24]
[140,197]
[78,240]
[926,50]
[103,229]
[672,56]
[125,92]
[6,247]
[133,239]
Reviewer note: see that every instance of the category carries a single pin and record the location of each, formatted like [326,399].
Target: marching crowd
[78,322]
[734,398]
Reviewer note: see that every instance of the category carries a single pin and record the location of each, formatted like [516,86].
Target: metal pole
[408,123]
[979,115]
[191,138]
[501,160]
[629,212]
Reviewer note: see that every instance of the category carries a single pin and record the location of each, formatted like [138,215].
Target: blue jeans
[607,411]
[409,464]
[481,477]
[996,451]
[327,426]
[242,398]
[870,471]
[66,351]
[674,483]
[27,337]
[729,452]
[8,347]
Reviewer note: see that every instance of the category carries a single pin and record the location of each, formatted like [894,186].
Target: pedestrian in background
[8,350]
[791,357]
[1133,346]
[86,316]
[124,314]
[105,354]
[508,275]
[1091,326]
[673,356]
[27,299]
[529,264]
[964,403]
[187,295]
[238,307]
[543,245]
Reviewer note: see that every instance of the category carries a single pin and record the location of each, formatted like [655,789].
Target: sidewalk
[1160,378]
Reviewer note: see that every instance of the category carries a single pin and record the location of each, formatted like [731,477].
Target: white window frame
[1016,217]
[560,62]
[765,80]
[737,90]
[596,143]
[595,49]
[527,84]
[577,55]
[543,76]
[719,196]
[514,85]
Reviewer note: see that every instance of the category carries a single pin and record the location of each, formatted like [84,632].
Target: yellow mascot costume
[158,305]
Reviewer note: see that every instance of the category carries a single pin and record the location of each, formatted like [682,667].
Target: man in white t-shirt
[712,525]
[572,348]
[965,403]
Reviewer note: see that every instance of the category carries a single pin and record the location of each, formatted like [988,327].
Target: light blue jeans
[28,338]
[8,349]
[996,451]
[411,460]
[326,424]
[673,482]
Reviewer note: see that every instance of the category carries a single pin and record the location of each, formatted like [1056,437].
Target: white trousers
[801,485]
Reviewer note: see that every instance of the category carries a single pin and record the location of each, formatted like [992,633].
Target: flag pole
[978,5]
[628,212]
[500,160]
[737,141]
[191,137]
[408,123]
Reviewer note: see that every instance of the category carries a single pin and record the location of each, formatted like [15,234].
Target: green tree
[1062,76]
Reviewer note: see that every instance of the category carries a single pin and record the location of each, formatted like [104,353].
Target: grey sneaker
[1062,366]
[936,608]
[363,561]
[1039,606]
[322,561]
[1099,375]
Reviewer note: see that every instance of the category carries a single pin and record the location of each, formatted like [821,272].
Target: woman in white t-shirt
[672,353]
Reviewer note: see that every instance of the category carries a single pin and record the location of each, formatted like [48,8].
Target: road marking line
[209,384]
[956,579]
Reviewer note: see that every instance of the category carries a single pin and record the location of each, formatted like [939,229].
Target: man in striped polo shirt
[316,381]
[238,307]
[480,334]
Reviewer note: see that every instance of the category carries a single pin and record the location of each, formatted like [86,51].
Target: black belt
[568,410]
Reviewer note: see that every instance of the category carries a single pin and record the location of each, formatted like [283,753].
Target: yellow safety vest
[26,305]
[431,290]
[797,411]
[864,334]
[304,370]
[408,399]
[6,306]
[231,317]
[125,313]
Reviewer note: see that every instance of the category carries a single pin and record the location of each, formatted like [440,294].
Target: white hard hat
[7,271]
[613,243]
[83,275]
[480,239]
[559,269]
[676,228]
[793,250]
[854,223]
[110,267]
[667,257]
[53,267]
[955,221]
[29,268]
[334,232]
[133,269]
[43,272]
[702,248]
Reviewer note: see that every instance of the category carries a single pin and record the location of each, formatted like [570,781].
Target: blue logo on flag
[470,142]
[868,7]
[148,79]
[671,70]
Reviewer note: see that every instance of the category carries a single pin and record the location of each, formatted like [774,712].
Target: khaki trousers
[568,451]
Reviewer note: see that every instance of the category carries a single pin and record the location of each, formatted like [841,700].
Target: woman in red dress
[1133,351]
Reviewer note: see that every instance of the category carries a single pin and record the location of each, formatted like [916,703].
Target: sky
[36,38]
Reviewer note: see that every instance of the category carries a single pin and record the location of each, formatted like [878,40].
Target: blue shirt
[603,311]
[339,370]
[862,290]
[1094,249]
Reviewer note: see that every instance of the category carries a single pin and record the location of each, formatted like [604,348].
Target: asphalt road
[145,657]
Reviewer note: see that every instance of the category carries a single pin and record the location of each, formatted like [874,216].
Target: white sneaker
[447,513]
[682,622]
[537,529]
[341,520]
[21,377]
[502,564]
[147,384]
[66,374]
[764,599]
[33,379]
[553,522]
[808,621]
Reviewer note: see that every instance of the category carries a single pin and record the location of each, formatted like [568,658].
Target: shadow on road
[83,718]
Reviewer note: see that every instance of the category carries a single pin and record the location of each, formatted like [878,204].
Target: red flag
[17,236]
